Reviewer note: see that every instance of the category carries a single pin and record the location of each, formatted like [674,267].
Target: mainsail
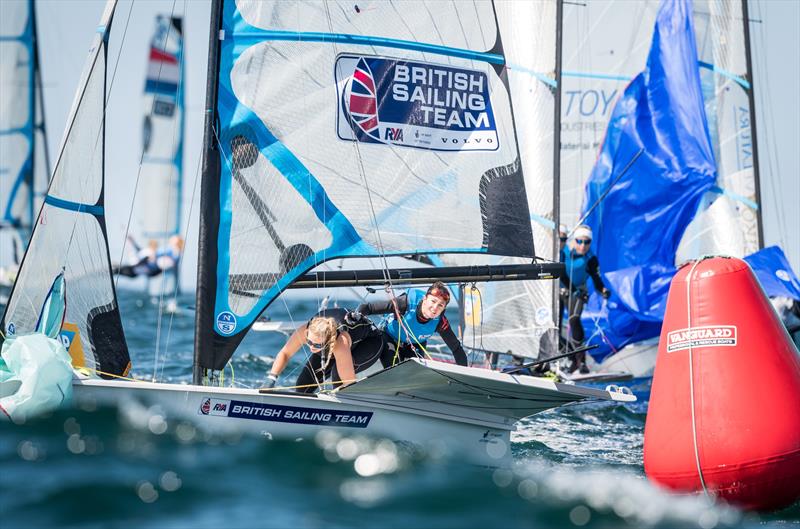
[69,236]
[24,167]
[344,130]
[162,161]
[598,66]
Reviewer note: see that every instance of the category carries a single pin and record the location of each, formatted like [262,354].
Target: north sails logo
[707,336]
[226,322]
[414,104]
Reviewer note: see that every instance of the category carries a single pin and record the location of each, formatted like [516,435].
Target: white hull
[479,444]
[417,403]
[639,359]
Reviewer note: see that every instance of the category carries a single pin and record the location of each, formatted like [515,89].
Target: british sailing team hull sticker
[413,104]
[290,414]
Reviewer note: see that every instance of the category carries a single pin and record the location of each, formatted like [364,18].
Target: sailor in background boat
[152,260]
[413,318]
[580,264]
[342,344]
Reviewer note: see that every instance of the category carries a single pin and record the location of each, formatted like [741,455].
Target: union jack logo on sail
[363,102]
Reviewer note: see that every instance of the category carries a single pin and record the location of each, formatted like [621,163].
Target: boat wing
[437,387]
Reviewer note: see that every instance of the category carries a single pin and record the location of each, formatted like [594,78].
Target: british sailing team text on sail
[459,95]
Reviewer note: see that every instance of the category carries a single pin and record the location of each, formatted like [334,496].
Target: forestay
[24,171]
[70,234]
[348,130]
[159,208]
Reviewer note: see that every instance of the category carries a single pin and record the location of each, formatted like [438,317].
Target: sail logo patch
[70,337]
[226,322]
[707,336]
[413,104]
[289,414]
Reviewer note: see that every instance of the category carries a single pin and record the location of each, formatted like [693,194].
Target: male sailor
[342,344]
[580,264]
[412,319]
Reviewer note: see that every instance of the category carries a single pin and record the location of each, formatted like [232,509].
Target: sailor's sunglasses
[314,345]
[583,241]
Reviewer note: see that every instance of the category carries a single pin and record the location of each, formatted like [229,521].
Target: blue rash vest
[422,331]
[578,268]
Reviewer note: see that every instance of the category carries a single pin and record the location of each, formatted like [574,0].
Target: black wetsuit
[367,347]
[392,354]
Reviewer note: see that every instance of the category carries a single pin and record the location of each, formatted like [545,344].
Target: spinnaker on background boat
[710,202]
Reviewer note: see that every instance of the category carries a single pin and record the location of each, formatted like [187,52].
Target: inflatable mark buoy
[724,413]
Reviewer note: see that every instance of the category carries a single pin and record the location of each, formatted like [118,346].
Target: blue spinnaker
[639,216]
[774,273]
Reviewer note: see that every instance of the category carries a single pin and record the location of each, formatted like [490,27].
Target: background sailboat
[160,203]
[24,163]
[724,218]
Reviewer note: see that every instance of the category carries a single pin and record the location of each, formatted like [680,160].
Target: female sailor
[342,344]
[413,318]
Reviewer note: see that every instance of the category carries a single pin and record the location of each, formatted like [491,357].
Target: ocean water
[578,466]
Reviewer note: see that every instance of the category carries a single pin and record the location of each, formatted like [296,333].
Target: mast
[557,157]
[751,101]
[209,206]
[179,154]
[40,95]
[30,213]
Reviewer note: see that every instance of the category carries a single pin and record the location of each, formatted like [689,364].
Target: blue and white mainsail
[159,211]
[343,130]
[24,169]
[69,236]
[694,190]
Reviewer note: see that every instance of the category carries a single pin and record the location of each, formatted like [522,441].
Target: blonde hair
[325,327]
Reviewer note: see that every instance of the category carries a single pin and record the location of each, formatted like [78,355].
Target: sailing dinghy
[320,143]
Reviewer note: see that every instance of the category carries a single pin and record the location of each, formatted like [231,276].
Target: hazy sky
[67,27]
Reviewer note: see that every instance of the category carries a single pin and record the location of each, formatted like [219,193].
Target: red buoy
[724,413]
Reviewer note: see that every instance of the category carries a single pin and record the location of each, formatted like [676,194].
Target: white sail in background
[730,225]
[159,205]
[24,170]
[70,234]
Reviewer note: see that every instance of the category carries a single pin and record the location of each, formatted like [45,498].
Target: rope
[87,370]
[691,374]
[281,388]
